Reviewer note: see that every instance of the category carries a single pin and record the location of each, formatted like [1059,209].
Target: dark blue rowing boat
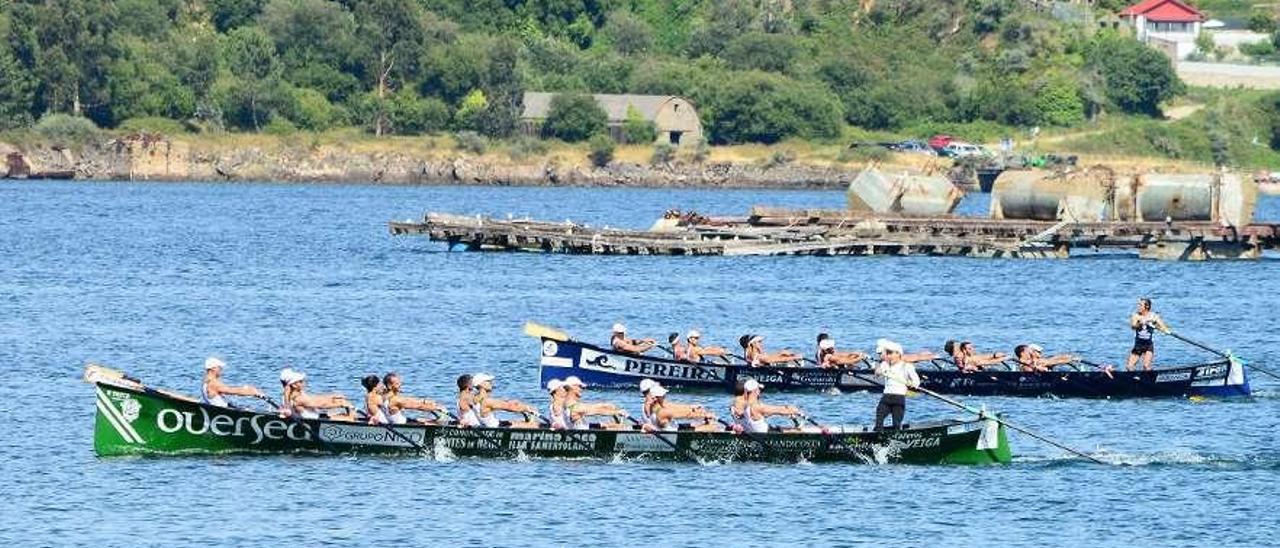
[605,368]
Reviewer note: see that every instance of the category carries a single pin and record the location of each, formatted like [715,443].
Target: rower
[756,414]
[555,388]
[738,407]
[468,416]
[397,401]
[966,357]
[1030,358]
[679,352]
[213,390]
[829,357]
[753,351]
[308,406]
[576,411]
[375,401]
[621,343]
[697,352]
[1144,322]
[487,406]
[899,375]
[666,415]
[646,420]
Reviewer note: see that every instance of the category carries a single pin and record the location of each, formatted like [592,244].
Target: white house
[1170,25]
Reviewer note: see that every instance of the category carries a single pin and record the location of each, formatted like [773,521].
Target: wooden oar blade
[94,373]
[543,332]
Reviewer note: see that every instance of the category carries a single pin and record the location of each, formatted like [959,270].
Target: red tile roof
[1164,11]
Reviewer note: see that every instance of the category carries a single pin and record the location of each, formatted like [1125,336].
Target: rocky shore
[142,157]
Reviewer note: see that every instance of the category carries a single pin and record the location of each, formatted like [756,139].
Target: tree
[74,52]
[757,50]
[17,91]
[470,110]
[250,54]
[573,117]
[637,129]
[1058,102]
[1262,22]
[764,108]
[308,33]
[392,39]
[628,34]
[505,91]
[142,86]
[1137,78]
[231,14]
[600,150]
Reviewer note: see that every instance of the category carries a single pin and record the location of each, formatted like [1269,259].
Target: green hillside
[759,70]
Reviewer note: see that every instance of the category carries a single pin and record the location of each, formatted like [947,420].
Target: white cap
[886,345]
[647,384]
[619,328]
[286,374]
[573,381]
[554,384]
[755,338]
[481,378]
[752,385]
[693,334]
[658,391]
[212,362]
[827,343]
[1035,348]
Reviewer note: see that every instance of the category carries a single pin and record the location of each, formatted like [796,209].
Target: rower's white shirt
[753,425]
[897,377]
[557,417]
[215,400]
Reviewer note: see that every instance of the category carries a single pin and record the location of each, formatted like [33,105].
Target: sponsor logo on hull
[628,365]
[356,434]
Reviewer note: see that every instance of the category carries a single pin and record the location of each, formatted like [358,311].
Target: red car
[939,142]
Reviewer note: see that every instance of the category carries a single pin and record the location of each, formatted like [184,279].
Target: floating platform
[771,231]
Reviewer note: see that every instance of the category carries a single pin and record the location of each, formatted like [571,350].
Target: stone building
[674,118]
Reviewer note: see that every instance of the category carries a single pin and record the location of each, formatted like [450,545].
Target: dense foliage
[758,70]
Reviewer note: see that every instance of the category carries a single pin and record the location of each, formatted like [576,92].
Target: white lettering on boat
[644,443]
[1173,377]
[260,427]
[1211,371]
[598,361]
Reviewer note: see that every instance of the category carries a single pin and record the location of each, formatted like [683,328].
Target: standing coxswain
[486,406]
[213,391]
[755,416]
[1144,322]
[899,375]
[396,402]
[619,341]
[576,411]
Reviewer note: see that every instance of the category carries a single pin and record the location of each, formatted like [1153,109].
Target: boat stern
[1226,379]
[989,443]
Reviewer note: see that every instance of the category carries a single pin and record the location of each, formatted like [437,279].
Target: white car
[957,149]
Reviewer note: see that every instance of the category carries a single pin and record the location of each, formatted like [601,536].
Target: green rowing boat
[136,420]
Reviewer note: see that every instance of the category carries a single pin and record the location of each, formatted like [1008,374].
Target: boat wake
[1161,459]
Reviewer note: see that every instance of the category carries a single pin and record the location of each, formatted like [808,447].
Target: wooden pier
[769,231]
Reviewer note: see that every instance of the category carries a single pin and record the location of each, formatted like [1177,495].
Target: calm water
[151,278]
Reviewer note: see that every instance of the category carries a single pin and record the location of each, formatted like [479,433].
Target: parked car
[957,149]
[913,146]
[939,142]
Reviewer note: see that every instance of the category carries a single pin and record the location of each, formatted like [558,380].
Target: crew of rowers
[1026,357]
[385,402]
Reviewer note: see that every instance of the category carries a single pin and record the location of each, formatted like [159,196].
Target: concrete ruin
[906,194]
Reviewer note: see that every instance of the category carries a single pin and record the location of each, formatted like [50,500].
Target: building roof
[1164,11]
[537,104]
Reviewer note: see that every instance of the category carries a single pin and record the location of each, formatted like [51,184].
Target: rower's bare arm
[1161,325]
[918,357]
[777,410]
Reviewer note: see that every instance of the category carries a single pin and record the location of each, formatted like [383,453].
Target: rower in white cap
[756,414]
[1030,358]
[556,389]
[829,357]
[753,351]
[899,374]
[577,411]
[697,352]
[486,406]
[309,406]
[618,339]
[666,416]
[213,390]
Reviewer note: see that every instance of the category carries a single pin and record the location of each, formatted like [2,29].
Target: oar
[980,413]
[1226,355]
[683,454]
[543,332]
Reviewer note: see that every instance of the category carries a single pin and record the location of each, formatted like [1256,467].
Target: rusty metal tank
[1225,197]
[903,193]
[1083,196]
